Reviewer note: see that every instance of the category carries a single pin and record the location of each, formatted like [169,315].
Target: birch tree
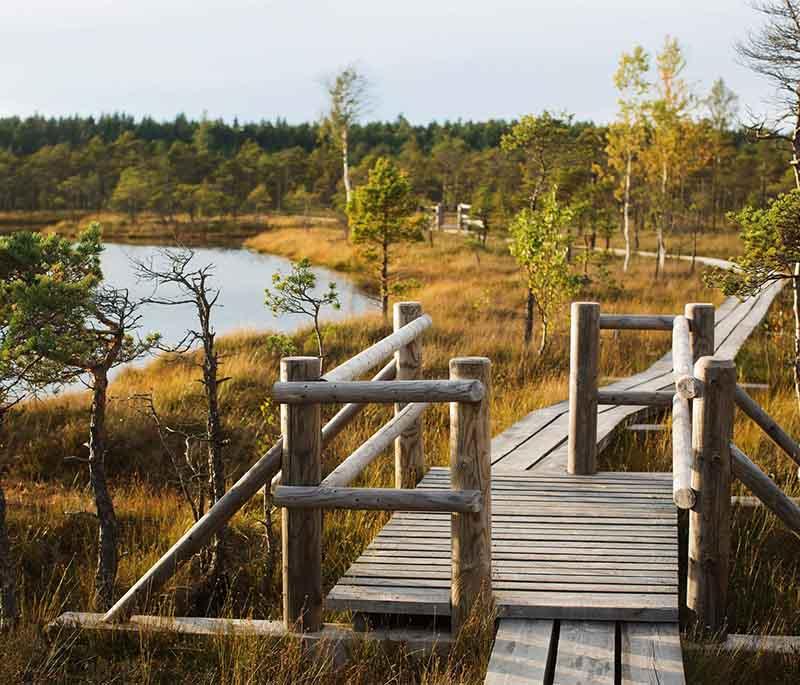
[668,118]
[348,94]
[627,135]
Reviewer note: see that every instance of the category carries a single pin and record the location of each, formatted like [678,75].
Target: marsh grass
[477,306]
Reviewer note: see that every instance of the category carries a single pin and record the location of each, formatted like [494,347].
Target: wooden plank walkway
[586,652]
[584,568]
[601,547]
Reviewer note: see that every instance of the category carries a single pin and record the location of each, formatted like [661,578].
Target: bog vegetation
[98,485]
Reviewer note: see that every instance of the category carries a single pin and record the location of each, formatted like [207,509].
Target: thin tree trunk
[216,466]
[796,310]
[626,221]
[8,574]
[107,538]
[385,281]
[348,192]
[529,317]
[543,339]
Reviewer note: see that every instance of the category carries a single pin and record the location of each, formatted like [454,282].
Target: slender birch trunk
[626,222]
[796,311]
[529,317]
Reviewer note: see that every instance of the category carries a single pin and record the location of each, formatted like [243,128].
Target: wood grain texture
[379,392]
[583,369]
[709,521]
[301,529]
[682,454]
[470,469]
[636,322]
[523,652]
[585,653]
[409,455]
[635,399]
[380,499]
[651,654]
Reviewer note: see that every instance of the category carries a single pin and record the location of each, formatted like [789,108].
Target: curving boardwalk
[585,568]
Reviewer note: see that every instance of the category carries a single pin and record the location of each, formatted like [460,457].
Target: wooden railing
[303,495]
[293,468]
[404,344]
[704,458]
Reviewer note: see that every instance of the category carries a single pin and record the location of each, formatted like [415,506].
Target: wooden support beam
[763,487]
[682,454]
[779,436]
[370,358]
[702,323]
[378,499]
[329,634]
[583,366]
[635,322]
[354,465]
[409,456]
[470,469]
[632,398]
[385,392]
[686,385]
[301,529]
[709,521]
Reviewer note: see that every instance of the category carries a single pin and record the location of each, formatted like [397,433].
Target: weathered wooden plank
[524,585]
[380,392]
[636,322]
[523,653]
[381,499]
[634,565]
[585,653]
[535,573]
[651,654]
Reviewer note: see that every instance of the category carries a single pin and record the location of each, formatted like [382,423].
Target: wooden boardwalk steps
[566,652]
[600,547]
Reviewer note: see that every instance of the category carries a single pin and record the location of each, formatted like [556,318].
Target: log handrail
[263,471]
[377,499]
[636,322]
[381,392]
[763,487]
[682,455]
[633,398]
[760,417]
[346,472]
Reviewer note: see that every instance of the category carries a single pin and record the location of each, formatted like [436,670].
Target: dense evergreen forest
[207,168]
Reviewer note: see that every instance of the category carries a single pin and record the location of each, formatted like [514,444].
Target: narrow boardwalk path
[585,568]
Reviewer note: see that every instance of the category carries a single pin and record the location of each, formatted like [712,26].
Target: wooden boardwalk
[584,568]
[611,537]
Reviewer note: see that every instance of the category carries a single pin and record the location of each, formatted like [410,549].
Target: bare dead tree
[773,51]
[190,472]
[174,269]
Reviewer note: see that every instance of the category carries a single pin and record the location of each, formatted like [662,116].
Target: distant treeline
[208,168]
[31,134]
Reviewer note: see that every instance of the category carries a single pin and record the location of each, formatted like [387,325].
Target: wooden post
[409,457]
[701,316]
[709,520]
[302,528]
[583,364]
[470,469]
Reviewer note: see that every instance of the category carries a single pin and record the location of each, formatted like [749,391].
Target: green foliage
[296,293]
[539,243]
[133,191]
[382,214]
[771,239]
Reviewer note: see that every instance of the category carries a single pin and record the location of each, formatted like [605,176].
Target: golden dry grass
[477,307]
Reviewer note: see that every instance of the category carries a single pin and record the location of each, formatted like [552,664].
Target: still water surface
[241,277]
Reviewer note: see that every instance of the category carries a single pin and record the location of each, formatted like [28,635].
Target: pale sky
[428,59]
